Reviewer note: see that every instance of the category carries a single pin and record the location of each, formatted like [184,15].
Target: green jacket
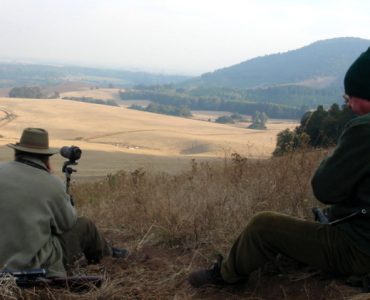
[343,179]
[34,210]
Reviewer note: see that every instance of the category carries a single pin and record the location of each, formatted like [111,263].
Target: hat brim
[49,151]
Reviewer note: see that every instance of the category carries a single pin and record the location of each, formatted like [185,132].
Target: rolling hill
[319,64]
[305,77]
[283,85]
[116,138]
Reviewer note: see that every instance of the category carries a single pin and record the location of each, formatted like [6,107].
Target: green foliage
[323,59]
[296,95]
[233,102]
[287,94]
[111,102]
[289,140]
[92,100]
[25,92]
[238,117]
[259,120]
[225,120]
[319,129]
[165,109]
[325,126]
[282,85]
[137,107]
[308,76]
[34,92]
[231,119]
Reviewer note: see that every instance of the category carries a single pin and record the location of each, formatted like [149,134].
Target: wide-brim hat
[34,140]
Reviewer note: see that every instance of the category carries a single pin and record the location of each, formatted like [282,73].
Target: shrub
[225,120]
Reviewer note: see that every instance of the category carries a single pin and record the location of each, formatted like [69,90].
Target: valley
[117,138]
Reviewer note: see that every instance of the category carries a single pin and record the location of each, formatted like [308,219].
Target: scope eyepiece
[73,153]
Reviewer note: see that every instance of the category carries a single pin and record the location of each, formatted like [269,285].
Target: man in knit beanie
[357,84]
[342,181]
[356,81]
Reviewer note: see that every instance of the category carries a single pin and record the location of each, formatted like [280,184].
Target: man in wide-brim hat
[34,140]
[39,227]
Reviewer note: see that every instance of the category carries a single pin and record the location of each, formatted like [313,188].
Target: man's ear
[359,106]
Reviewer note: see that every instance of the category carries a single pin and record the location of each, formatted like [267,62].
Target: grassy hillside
[116,138]
[280,84]
[101,93]
[326,60]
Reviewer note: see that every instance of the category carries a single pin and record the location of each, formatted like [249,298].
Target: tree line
[109,102]
[236,105]
[34,92]
[318,129]
[164,109]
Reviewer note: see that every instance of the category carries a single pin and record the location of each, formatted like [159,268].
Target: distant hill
[306,77]
[16,74]
[317,65]
[283,85]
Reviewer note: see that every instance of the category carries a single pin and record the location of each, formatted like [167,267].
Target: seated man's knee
[84,224]
[262,221]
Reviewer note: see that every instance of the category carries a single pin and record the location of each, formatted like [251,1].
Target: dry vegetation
[101,93]
[175,221]
[173,224]
[116,138]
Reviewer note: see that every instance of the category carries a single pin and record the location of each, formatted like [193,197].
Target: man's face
[358,106]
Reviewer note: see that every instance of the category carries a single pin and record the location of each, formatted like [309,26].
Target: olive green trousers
[321,246]
[83,239]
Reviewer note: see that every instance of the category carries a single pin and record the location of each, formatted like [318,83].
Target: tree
[259,120]
[314,126]
[319,128]
[26,92]
[290,140]
[285,142]
[181,111]
[225,120]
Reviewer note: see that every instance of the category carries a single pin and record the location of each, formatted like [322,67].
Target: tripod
[67,170]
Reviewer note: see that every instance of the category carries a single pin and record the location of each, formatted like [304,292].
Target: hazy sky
[170,36]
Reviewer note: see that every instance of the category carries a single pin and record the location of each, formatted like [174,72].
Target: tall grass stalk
[209,204]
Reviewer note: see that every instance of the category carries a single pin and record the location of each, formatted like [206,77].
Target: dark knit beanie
[357,79]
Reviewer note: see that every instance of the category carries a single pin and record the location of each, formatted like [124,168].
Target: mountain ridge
[324,58]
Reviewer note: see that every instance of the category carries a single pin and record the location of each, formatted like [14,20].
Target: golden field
[101,93]
[117,138]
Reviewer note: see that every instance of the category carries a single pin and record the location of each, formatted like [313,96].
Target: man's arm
[337,176]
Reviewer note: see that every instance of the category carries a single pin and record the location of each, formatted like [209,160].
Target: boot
[208,276]
[119,253]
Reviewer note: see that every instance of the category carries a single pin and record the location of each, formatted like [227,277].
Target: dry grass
[173,224]
[116,138]
[101,93]
[197,205]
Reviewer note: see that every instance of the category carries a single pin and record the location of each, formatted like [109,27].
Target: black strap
[32,164]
